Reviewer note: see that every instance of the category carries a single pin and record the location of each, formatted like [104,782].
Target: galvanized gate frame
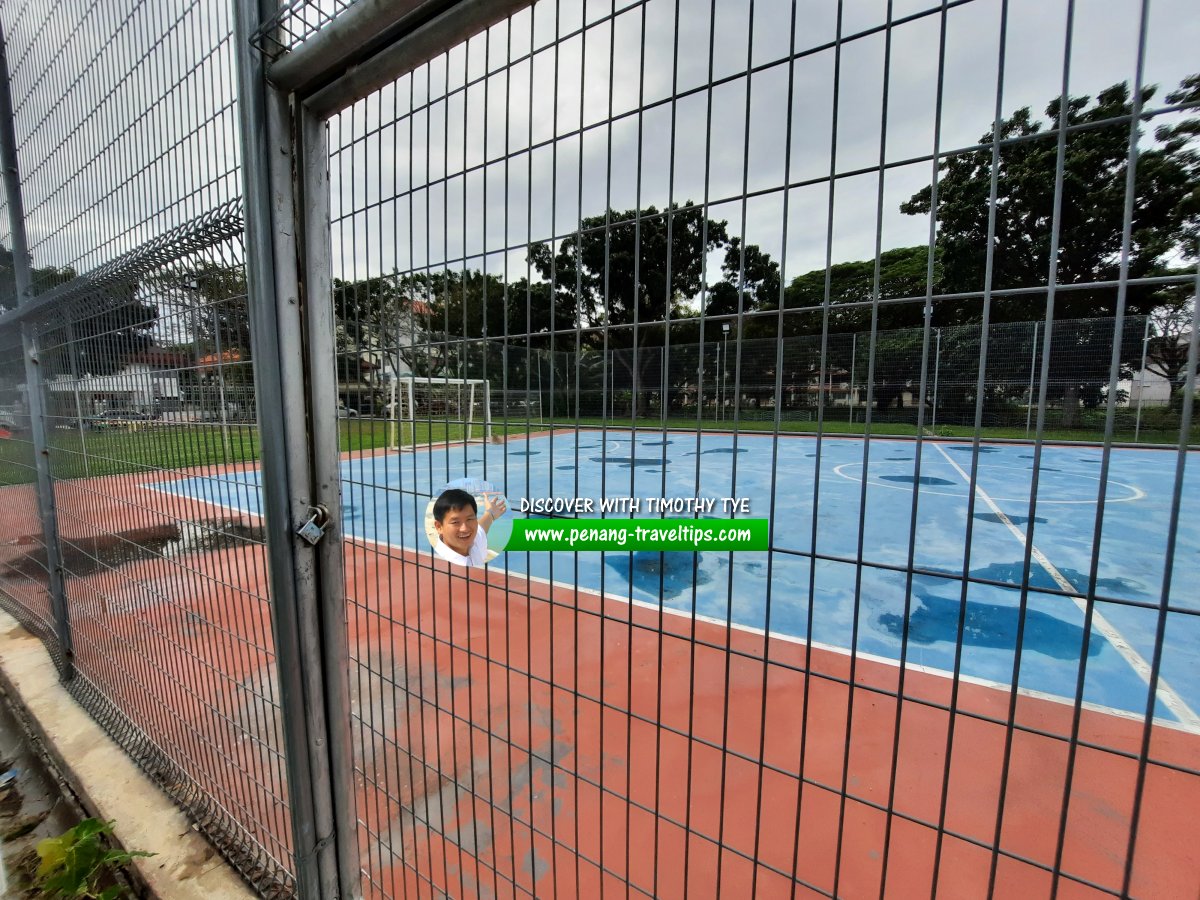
[284,105]
[35,395]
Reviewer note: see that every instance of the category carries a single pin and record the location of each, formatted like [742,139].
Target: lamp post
[937,366]
[716,382]
[724,369]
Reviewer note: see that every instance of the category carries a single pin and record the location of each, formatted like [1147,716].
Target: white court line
[1170,699]
[1135,492]
[1189,721]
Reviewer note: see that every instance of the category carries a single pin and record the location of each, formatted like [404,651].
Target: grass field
[153,447]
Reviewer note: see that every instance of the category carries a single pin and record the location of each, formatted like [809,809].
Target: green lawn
[155,447]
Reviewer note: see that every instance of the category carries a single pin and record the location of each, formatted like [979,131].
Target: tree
[903,272]
[1166,215]
[620,269]
[221,312]
[383,315]
[113,322]
[43,279]
[758,277]
[1167,350]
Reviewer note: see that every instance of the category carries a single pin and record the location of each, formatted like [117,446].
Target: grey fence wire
[756,248]
[295,22]
[675,228]
[694,381]
[127,149]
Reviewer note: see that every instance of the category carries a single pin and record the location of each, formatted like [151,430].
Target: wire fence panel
[26,572]
[849,268]
[129,171]
[747,448]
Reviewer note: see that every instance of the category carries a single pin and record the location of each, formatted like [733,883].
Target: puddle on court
[995,519]
[650,570]
[83,556]
[935,619]
[1013,573]
[630,461]
[923,479]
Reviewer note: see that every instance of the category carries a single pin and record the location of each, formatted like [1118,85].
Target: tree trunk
[1070,417]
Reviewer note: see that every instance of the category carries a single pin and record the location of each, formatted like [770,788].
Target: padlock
[314,528]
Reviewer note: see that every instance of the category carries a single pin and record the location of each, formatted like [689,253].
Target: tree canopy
[1166,208]
[1165,224]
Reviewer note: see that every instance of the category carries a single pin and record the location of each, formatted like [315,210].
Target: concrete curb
[107,783]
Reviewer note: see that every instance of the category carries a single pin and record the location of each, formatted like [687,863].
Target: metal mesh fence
[690,382]
[672,237]
[128,155]
[25,567]
[295,22]
[852,268]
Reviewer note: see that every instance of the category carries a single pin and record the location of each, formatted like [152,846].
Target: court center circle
[1134,493]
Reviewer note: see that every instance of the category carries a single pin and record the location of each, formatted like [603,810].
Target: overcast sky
[137,101]
[413,164]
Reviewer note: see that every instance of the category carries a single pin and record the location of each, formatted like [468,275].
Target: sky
[127,121]
[444,163]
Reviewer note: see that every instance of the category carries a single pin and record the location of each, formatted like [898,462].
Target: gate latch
[313,528]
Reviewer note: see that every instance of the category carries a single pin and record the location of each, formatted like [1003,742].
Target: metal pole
[1032,370]
[937,364]
[72,353]
[1137,425]
[853,360]
[327,495]
[321,847]
[725,373]
[221,385]
[34,397]
[717,382]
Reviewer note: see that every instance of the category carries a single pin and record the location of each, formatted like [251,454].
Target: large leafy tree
[42,280]
[624,271]
[1165,220]
[903,272]
[645,266]
[113,322]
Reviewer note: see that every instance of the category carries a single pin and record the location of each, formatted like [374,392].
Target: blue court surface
[852,605]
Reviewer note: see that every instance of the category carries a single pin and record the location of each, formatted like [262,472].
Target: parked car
[346,412]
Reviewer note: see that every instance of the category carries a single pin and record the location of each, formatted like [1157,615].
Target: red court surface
[515,738]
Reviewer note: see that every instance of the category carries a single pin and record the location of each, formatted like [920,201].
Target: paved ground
[540,740]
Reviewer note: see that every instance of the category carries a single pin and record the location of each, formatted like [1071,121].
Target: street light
[725,370]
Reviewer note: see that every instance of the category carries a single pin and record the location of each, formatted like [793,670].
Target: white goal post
[439,409]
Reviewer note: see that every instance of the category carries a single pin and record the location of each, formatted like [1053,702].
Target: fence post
[72,354]
[853,361]
[34,396]
[316,723]
[937,365]
[1032,370]
[220,364]
[1137,425]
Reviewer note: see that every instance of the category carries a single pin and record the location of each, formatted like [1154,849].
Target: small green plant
[79,862]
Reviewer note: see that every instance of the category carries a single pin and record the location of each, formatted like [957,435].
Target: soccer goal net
[432,410]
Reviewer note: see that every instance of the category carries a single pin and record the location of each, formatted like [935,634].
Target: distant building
[1145,388]
[145,384]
